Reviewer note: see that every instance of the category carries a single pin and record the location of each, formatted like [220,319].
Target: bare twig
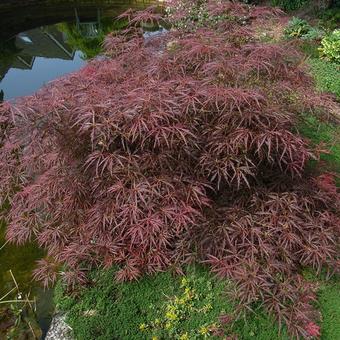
[28,301]
[14,301]
[3,246]
[14,280]
[29,325]
[8,293]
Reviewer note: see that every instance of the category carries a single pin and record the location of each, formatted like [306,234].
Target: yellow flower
[171,315]
[184,282]
[181,301]
[203,330]
[184,336]
[168,325]
[143,326]
[155,337]
[208,307]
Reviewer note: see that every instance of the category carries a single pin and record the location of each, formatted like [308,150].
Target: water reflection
[39,55]
[39,44]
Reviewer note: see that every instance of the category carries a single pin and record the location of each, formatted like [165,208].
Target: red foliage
[173,149]
[312,329]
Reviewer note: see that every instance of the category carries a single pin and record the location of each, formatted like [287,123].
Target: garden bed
[186,147]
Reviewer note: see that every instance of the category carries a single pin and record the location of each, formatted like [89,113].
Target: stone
[59,329]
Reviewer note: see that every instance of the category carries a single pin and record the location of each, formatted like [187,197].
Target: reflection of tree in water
[8,52]
[89,42]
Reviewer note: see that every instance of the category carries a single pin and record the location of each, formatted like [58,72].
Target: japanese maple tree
[175,148]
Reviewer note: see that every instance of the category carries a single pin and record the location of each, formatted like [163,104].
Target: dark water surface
[43,42]
[38,44]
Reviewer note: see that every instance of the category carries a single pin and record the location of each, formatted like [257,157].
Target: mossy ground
[111,310]
[142,309]
[329,305]
[327,75]
[327,79]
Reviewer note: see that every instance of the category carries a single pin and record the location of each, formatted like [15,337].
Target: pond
[39,43]
[43,42]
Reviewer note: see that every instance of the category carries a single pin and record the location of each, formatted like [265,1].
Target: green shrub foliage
[175,148]
[289,5]
[299,28]
[330,46]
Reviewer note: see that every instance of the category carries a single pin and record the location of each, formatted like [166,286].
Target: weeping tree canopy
[176,148]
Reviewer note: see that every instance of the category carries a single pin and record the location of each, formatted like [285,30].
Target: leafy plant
[313,34]
[299,28]
[330,46]
[177,148]
[296,27]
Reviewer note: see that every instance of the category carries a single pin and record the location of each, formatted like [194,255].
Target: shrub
[330,46]
[296,28]
[175,149]
[289,5]
[330,17]
[313,34]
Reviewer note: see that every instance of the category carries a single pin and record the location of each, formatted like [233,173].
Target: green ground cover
[162,306]
[142,309]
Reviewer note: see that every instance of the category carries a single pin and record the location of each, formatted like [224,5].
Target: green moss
[109,310]
[327,78]
[327,75]
[259,326]
[328,302]
[329,305]
[328,134]
[141,309]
